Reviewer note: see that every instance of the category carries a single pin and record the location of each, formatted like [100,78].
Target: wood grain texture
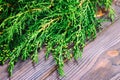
[116,77]
[100,61]
[26,70]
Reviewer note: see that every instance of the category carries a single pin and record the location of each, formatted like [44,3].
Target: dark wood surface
[100,60]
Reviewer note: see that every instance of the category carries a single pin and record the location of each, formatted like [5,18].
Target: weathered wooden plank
[116,77]
[105,67]
[26,70]
[3,72]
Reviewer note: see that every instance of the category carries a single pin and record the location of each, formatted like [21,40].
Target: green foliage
[62,26]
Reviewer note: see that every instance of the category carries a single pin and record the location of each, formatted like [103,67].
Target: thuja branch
[44,26]
[62,26]
[22,13]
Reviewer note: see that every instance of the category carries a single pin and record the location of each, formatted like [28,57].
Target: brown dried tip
[101,12]
[9,5]
[0,32]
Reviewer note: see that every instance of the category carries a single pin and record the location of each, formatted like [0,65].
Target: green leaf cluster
[62,26]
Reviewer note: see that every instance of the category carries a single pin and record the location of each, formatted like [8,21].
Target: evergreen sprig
[62,26]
